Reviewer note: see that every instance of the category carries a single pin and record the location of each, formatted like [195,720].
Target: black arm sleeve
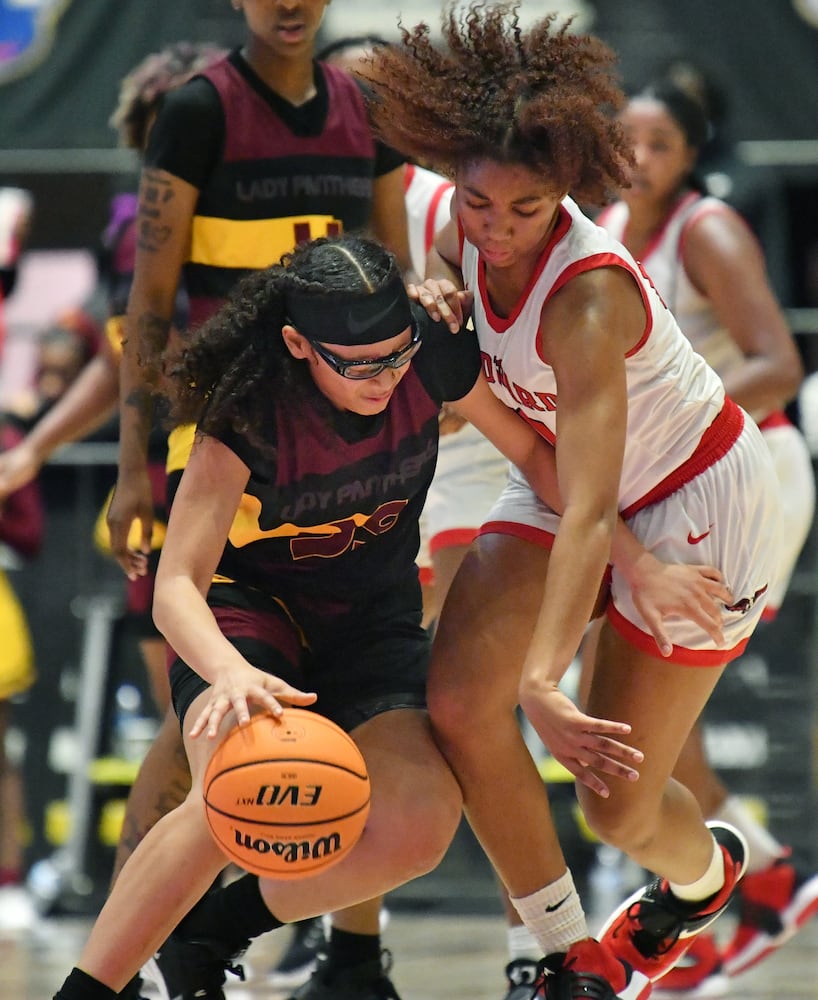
[187,138]
[448,363]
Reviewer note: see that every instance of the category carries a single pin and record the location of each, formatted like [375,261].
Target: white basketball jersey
[673,395]
[428,197]
[663,262]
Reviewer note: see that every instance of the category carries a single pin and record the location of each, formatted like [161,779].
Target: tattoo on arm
[156,192]
[152,337]
[141,400]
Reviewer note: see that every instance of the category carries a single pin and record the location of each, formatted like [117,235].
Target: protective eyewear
[369,368]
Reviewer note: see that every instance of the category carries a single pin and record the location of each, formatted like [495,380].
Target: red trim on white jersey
[673,397]
[501,323]
[681,656]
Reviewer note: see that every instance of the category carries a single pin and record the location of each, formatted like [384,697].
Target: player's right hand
[443,300]
[132,501]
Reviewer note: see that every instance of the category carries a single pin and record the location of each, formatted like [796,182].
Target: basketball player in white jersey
[577,341]
[709,269]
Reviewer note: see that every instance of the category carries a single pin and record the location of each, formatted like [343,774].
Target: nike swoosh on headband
[358,326]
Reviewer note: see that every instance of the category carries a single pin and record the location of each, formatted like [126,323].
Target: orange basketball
[289,797]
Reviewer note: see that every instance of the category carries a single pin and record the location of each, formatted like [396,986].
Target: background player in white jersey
[709,269]
[568,324]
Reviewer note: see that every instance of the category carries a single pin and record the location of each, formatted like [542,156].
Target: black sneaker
[587,971]
[188,970]
[522,978]
[297,963]
[367,981]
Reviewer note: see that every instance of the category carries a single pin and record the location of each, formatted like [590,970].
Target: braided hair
[236,366]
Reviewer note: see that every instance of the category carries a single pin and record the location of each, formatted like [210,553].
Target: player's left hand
[588,747]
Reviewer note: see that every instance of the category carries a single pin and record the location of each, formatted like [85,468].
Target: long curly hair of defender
[540,96]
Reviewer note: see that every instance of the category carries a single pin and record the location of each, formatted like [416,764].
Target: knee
[411,826]
[449,713]
[630,829]
[428,830]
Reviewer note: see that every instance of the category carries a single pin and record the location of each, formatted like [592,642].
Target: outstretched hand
[674,590]
[239,686]
[443,300]
[585,745]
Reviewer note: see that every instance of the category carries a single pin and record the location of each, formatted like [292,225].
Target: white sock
[522,943]
[709,883]
[764,848]
[554,915]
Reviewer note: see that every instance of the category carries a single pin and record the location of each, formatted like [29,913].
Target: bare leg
[479,646]
[162,784]
[693,769]
[655,820]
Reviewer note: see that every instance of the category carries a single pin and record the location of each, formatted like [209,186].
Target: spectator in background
[63,350]
[756,192]
[21,528]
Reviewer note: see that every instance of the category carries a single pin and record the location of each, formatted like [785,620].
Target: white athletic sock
[554,915]
[522,943]
[764,848]
[709,883]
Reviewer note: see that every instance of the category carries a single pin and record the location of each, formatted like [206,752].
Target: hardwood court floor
[437,957]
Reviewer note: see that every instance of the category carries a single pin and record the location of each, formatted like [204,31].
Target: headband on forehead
[352,318]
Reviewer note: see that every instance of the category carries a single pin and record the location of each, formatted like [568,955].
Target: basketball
[286,798]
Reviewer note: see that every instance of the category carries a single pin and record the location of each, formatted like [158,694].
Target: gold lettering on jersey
[255,243]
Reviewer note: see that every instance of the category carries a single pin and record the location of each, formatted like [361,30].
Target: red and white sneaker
[698,975]
[587,971]
[653,929]
[773,905]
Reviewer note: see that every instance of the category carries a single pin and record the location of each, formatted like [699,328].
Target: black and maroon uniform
[318,581]
[270,175]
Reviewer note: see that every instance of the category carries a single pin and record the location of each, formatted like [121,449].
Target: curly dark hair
[237,366]
[142,89]
[541,97]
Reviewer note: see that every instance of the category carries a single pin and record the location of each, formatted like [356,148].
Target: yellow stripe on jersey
[115,333]
[180,445]
[254,243]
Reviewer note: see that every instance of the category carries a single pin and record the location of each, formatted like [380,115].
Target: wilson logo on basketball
[290,851]
[288,795]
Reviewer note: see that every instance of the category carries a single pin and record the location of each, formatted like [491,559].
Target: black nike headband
[352,318]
